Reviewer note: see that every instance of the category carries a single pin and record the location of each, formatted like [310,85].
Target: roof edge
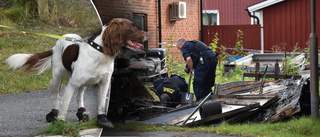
[263,4]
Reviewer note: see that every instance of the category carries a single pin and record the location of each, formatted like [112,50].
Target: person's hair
[181,40]
[165,97]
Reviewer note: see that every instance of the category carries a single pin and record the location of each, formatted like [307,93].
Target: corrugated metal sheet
[232,12]
[287,24]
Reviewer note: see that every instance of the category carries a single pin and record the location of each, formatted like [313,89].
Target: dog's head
[121,32]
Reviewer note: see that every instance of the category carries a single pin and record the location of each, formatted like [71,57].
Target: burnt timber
[241,101]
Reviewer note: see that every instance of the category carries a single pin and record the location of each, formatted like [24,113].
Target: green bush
[173,65]
[71,13]
[15,13]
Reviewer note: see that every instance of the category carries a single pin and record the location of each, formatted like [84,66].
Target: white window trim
[263,4]
[213,12]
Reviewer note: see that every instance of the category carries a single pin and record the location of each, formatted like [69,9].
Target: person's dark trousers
[204,78]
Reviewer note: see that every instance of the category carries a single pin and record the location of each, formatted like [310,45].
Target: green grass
[68,129]
[297,127]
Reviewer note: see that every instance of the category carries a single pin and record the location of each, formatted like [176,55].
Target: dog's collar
[95,45]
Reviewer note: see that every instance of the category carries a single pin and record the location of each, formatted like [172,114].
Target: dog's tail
[38,62]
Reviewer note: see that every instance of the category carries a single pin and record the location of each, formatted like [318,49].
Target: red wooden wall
[288,23]
[232,12]
[228,36]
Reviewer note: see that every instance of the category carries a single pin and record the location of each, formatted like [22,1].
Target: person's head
[180,42]
[165,97]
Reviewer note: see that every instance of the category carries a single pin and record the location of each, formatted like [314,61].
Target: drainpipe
[261,28]
[159,17]
[252,16]
[201,22]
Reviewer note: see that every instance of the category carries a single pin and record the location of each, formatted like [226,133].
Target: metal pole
[201,22]
[159,20]
[314,66]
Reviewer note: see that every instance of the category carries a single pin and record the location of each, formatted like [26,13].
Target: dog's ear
[113,37]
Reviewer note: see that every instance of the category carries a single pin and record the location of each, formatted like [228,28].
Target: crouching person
[170,90]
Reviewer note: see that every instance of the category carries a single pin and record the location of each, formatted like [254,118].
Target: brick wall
[188,28]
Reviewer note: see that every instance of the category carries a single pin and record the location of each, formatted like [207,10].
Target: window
[210,17]
[140,21]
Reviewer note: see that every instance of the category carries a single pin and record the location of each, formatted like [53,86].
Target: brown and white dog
[85,64]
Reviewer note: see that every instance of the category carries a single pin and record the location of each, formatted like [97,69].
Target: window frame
[143,26]
[211,12]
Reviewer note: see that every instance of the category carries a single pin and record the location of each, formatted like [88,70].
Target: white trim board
[263,4]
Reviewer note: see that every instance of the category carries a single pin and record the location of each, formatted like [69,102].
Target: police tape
[252,50]
[45,34]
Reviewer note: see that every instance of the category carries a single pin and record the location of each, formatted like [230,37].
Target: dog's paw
[52,115]
[82,115]
[103,122]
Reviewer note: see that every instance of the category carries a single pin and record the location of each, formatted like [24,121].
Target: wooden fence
[227,35]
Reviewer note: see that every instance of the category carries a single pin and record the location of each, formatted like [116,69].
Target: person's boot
[82,115]
[103,122]
[51,116]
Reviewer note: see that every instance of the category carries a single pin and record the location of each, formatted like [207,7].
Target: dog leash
[90,41]
[46,34]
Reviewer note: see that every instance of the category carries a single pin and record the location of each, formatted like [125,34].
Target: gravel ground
[23,114]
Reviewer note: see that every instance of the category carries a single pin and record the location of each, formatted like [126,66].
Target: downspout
[258,22]
[252,16]
[159,17]
[201,22]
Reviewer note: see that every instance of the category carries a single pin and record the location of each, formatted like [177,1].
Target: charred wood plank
[271,75]
[245,96]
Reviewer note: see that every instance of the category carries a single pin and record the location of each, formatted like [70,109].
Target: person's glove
[187,70]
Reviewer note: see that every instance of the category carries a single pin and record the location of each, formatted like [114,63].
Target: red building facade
[231,12]
[286,23]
